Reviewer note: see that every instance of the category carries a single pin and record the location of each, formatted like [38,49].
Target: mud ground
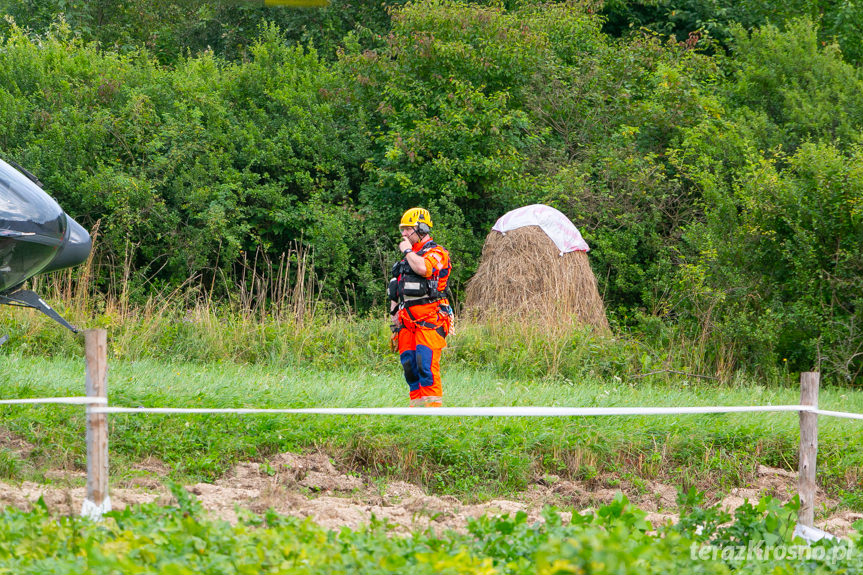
[311,486]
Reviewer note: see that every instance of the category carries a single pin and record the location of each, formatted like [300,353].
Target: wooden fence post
[97,500]
[809,382]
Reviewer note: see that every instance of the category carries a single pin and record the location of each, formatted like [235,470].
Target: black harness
[408,288]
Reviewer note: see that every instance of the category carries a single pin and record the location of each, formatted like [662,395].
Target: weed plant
[616,538]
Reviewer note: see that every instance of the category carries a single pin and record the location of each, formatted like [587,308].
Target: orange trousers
[420,344]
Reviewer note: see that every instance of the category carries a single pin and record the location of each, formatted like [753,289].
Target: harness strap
[428,325]
[419,301]
[422,251]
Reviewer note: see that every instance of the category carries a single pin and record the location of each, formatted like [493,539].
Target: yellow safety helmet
[418,218]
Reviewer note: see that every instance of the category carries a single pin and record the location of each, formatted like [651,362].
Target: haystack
[526,275]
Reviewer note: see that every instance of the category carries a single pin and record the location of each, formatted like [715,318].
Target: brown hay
[522,276]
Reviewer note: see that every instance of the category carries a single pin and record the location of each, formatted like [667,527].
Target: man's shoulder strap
[428,246]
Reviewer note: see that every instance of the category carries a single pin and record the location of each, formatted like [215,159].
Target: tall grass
[273,314]
[181,328]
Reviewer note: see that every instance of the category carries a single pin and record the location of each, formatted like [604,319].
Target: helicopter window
[23,201]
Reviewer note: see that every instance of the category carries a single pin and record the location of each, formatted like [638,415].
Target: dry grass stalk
[265,288]
[523,277]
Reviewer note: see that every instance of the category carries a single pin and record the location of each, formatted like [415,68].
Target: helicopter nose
[74,250]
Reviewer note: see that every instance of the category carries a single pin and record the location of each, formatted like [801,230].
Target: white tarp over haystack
[557,226]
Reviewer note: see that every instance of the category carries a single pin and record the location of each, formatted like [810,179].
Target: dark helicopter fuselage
[36,235]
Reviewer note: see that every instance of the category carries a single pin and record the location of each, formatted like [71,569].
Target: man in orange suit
[420,308]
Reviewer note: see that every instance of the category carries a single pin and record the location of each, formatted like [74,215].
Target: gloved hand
[394,340]
[395,326]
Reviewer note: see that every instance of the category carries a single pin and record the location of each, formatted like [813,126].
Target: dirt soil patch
[11,442]
[311,486]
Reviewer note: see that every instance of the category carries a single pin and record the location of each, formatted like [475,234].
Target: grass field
[473,458]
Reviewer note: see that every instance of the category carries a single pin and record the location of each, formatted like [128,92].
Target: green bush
[180,539]
[840,20]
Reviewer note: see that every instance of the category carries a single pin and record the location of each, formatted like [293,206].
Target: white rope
[438,411]
[844,414]
[69,400]
[467,411]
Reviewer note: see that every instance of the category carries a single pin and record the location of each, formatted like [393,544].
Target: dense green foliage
[614,539]
[841,21]
[720,189]
[168,29]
